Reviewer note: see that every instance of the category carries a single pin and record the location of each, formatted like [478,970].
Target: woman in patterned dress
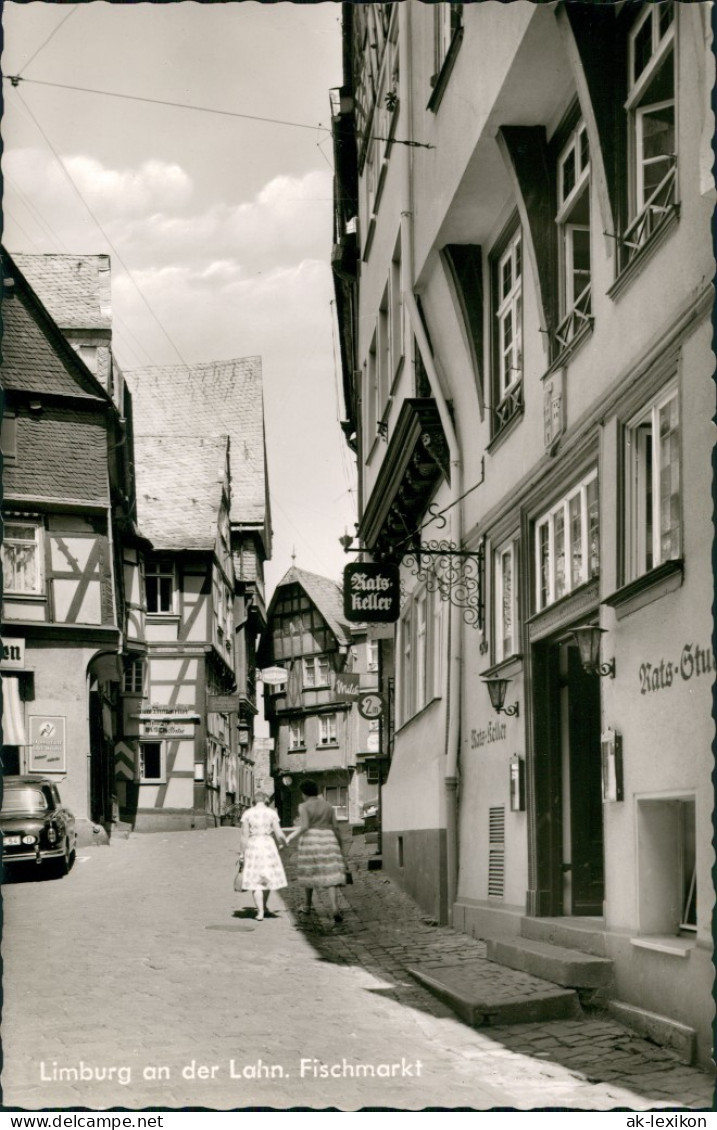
[321,862]
[263,870]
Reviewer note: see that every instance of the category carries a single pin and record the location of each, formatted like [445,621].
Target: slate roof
[36,357]
[179,489]
[325,594]
[74,288]
[208,399]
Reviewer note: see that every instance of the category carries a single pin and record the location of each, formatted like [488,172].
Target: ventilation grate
[496,852]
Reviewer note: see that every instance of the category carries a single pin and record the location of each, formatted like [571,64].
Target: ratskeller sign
[372,593]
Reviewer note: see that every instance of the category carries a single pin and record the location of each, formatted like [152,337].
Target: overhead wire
[16,79]
[101,229]
[45,42]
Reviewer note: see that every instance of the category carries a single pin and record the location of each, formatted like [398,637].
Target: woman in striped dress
[321,862]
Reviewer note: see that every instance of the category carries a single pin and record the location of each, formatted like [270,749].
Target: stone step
[586,935]
[482,997]
[568,967]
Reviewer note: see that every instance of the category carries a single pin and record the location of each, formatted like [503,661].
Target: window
[372,647]
[653,469]
[371,395]
[567,544]
[296,733]
[22,557]
[652,123]
[134,677]
[395,312]
[316,671]
[573,221]
[383,358]
[151,762]
[508,300]
[420,641]
[159,582]
[447,28]
[506,618]
[327,729]
[667,857]
[372,773]
[337,795]
[8,437]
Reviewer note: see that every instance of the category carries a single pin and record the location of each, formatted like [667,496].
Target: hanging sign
[370,705]
[13,653]
[346,688]
[273,676]
[223,703]
[372,593]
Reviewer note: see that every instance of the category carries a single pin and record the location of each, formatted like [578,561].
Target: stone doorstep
[570,968]
[668,1033]
[478,1001]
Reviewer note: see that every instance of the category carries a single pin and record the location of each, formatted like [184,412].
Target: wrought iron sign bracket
[457,575]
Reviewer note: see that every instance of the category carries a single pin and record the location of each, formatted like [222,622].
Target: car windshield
[23,800]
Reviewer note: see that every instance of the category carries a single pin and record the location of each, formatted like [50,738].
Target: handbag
[237,877]
[349,878]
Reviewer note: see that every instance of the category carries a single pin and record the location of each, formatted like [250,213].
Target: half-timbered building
[68,516]
[317,730]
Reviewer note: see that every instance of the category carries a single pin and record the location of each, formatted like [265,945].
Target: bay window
[653,473]
[507,287]
[420,638]
[573,221]
[567,543]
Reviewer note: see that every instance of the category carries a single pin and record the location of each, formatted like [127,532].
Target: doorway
[568,783]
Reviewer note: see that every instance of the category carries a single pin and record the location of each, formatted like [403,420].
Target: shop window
[567,543]
[667,866]
[151,762]
[651,124]
[508,329]
[296,733]
[134,677]
[573,223]
[327,729]
[316,671]
[505,601]
[22,557]
[654,524]
[159,584]
[338,796]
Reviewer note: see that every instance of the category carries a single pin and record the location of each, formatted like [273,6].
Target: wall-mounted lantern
[496,689]
[587,637]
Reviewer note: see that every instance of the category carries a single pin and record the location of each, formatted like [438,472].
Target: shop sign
[223,703]
[47,744]
[13,653]
[372,593]
[346,688]
[661,675]
[156,712]
[494,732]
[167,728]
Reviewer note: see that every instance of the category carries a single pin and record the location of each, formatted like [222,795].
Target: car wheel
[61,866]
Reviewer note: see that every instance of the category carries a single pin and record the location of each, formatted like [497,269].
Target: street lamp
[496,689]
[587,637]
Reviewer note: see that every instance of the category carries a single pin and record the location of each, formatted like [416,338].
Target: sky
[219,228]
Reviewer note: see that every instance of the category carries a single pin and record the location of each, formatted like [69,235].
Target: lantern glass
[588,640]
[496,690]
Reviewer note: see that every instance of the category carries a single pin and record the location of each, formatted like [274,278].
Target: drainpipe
[455,634]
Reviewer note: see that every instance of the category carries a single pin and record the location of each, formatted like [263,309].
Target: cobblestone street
[144,961]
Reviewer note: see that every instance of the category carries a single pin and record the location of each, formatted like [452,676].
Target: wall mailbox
[611,743]
[517,784]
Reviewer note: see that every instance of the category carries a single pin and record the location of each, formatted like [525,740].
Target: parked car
[36,826]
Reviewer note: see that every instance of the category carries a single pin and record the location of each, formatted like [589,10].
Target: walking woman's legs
[259,903]
[334,904]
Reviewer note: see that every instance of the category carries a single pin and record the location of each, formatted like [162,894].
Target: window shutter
[496,852]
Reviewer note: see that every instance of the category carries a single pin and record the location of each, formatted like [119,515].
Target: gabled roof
[36,356]
[206,399]
[179,489]
[325,594]
[75,288]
